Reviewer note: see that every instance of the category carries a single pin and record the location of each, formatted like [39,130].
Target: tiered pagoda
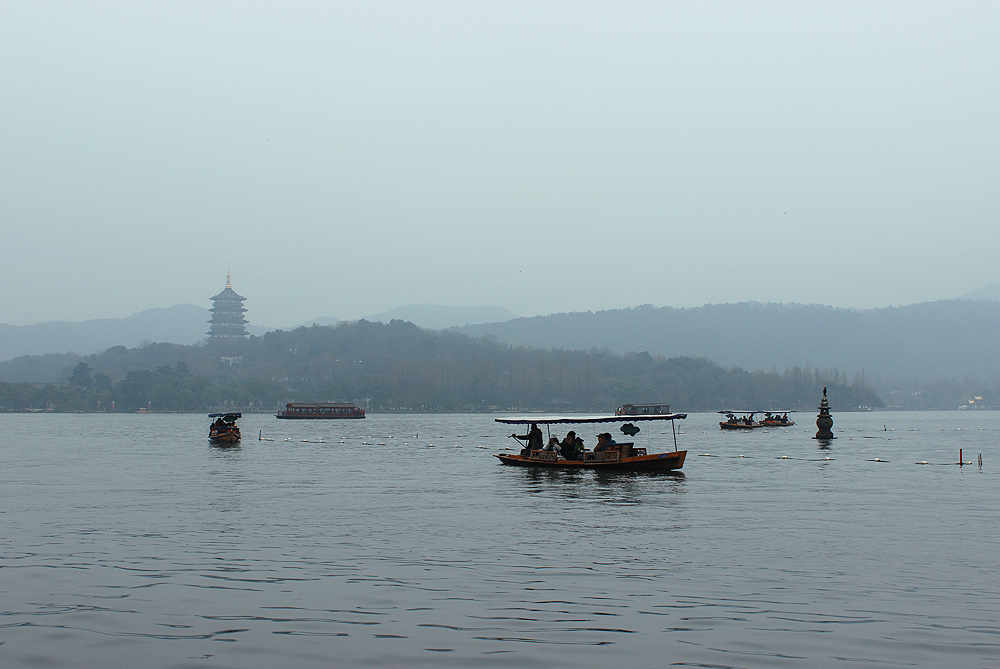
[227,314]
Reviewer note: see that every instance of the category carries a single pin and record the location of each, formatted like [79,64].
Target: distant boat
[744,420]
[643,410]
[321,410]
[739,420]
[777,419]
[624,457]
[224,429]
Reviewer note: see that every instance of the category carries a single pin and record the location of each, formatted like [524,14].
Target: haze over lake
[346,159]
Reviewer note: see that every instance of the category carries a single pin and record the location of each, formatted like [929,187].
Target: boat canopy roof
[554,420]
[225,415]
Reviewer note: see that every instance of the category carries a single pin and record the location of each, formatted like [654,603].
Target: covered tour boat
[739,420]
[642,410]
[613,457]
[321,410]
[777,419]
[224,429]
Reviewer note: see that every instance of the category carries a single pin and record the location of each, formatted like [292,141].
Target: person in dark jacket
[534,439]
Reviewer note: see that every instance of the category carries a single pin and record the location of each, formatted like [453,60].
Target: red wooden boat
[614,457]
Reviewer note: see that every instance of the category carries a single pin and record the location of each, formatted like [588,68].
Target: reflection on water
[346,544]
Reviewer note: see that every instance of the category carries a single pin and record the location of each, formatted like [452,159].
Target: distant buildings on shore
[227,314]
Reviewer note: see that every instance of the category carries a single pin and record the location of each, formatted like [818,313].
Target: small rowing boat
[224,429]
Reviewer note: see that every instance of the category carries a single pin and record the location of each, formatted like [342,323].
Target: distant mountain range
[892,346]
[990,292]
[439,317]
[428,316]
[180,324]
[187,324]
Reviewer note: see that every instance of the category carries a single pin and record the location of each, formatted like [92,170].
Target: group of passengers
[571,447]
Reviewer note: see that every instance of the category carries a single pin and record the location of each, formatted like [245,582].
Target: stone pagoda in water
[824,421]
[227,314]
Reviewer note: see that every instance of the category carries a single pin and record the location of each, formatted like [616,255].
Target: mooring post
[960,457]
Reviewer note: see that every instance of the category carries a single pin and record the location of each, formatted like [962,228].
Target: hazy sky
[346,158]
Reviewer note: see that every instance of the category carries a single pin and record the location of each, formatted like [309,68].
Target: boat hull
[224,436]
[658,462]
[739,426]
[325,417]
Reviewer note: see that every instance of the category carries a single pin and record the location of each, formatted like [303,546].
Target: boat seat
[544,455]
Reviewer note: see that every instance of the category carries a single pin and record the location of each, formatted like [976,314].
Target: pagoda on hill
[227,314]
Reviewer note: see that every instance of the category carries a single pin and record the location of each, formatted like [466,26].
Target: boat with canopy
[612,457]
[777,419]
[739,420]
[745,420]
[224,429]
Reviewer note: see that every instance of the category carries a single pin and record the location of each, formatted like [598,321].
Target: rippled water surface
[400,541]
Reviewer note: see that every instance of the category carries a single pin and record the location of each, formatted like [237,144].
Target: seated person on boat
[603,441]
[571,446]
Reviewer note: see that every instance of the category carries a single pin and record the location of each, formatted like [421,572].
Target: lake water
[127,540]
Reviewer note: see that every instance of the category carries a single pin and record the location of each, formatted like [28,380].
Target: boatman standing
[534,439]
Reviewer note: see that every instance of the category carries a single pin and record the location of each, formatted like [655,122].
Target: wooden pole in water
[960,457]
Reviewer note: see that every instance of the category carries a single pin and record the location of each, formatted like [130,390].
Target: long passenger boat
[614,457]
[321,410]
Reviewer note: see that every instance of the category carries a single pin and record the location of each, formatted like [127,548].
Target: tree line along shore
[401,367]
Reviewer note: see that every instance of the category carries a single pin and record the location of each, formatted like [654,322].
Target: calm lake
[127,540]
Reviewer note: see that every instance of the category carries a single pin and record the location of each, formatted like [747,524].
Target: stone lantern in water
[824,421]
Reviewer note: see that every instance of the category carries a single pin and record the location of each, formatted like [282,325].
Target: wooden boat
[739,420]
[321,410]
[642,409]
[224,429]
[623,457]
[777,419]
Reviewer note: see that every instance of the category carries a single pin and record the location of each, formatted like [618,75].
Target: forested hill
[398,366]
[930,341]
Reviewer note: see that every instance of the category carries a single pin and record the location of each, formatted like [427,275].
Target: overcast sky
[347,158]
